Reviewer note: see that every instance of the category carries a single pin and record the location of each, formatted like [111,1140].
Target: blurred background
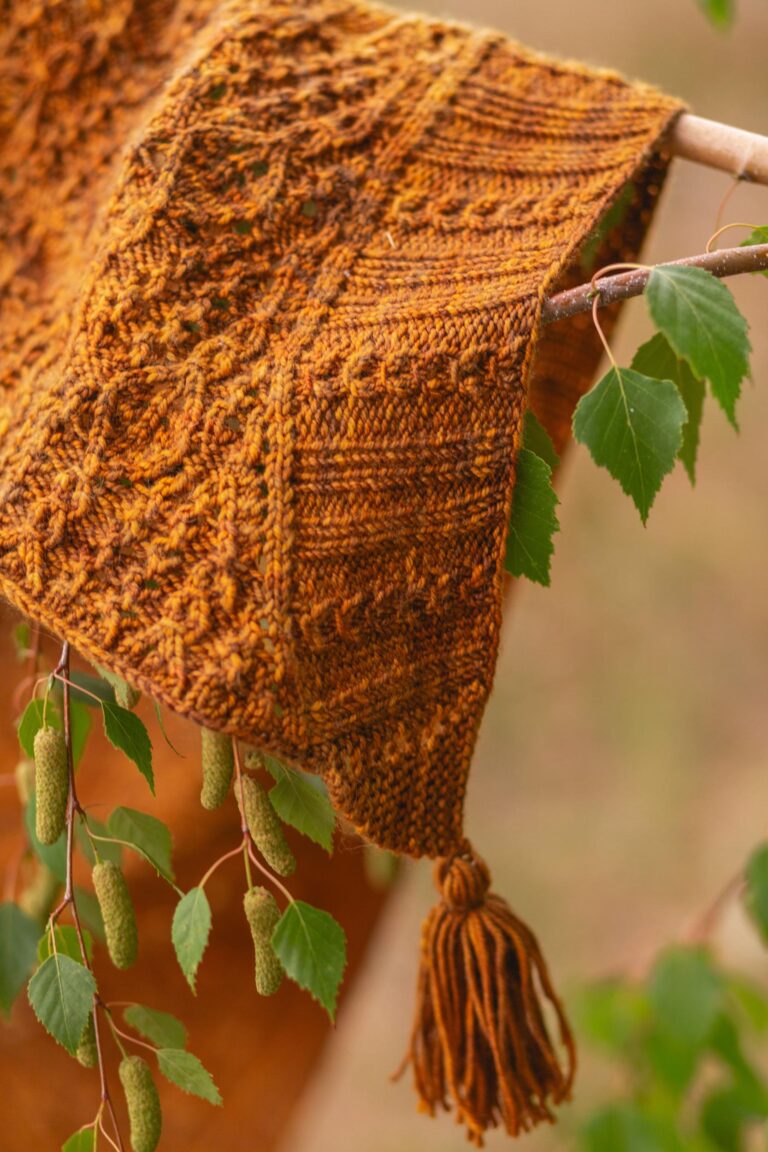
[622,771]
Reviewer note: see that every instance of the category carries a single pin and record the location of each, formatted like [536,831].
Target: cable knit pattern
[269,300]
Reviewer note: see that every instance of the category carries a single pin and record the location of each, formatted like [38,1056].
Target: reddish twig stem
[703,927]
[726,262]
[68,900]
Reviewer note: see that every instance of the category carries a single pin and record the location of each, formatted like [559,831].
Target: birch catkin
[117,913]
[86,1052]
[144,1115]
[218,765]
[51,784]
[262,914]
[265,827]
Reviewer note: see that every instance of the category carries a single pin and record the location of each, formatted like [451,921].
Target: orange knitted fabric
[269,295]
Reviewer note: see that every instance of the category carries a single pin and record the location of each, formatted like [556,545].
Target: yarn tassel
[480,1038]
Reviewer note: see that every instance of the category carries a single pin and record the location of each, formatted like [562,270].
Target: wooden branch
[743,154]
[726,262]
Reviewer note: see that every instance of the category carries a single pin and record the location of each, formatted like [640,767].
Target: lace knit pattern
[269,305]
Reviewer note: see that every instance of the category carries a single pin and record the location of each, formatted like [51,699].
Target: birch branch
[725,262]
[743,154]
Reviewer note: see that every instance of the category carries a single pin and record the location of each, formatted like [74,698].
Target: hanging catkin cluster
[117,913]
[265,827]
[86,1052]
[144,1115]
[51,784]
[218,765]
[262,914]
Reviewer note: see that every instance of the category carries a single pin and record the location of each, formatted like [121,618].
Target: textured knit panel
[269,305]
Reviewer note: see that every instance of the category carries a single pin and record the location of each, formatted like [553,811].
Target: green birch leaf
[626,1127]
[686,994]
[87,686]
[756,894]
[190,931]
[608,222]
[657,358]
[719,12]
[67,944]
[54,856]
[32,721]
[302,801]
[533,519]
[61,994]
[18,952]
[126,732]
[146,834]
[312,948]
[613,1014]
[81,1141]
[161,726]
[699,317]
[107,849]
[633,426]
[160,1028]
[759,236]
[22,640]
[536,437]
[80,723]
[186,1072]
[751,1000]
[726,1042]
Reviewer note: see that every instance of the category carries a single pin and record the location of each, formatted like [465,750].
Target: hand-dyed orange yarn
[270,289]
[480,1037]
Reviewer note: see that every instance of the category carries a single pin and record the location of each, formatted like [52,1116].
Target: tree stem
[743,154]
[725,262]
[73,807]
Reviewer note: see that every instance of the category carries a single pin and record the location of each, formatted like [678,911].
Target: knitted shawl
[270,292]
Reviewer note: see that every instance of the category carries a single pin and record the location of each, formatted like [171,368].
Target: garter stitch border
[269,321]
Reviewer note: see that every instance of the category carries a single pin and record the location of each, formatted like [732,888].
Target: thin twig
[726,262]
[107,1136]
[725,228]
[702,928]
[133,1039]
[216,863]
[269,875]
[243,822]
[735,183]
[68,900]
[78,687]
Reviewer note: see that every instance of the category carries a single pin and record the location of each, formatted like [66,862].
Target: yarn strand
[480,1043]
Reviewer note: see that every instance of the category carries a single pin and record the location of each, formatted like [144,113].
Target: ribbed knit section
[268,316]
